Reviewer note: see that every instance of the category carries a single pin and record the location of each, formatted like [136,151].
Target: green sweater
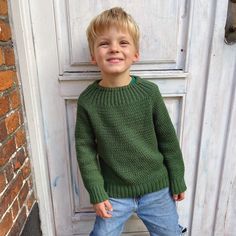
[126,144]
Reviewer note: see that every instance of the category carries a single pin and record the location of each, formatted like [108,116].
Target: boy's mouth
[114,60]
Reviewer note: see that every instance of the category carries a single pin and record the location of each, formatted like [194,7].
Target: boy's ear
[93,60]
[136,57]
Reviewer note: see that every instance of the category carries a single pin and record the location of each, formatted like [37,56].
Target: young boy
[127,149]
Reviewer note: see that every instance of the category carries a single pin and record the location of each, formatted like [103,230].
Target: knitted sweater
[126,144]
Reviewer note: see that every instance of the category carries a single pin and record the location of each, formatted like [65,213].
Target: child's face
[114,52]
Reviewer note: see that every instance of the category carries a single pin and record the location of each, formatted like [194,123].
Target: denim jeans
[157,210]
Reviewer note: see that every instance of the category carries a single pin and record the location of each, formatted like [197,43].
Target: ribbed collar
[106,96]
[134,80]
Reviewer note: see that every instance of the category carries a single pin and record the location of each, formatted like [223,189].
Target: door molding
[27,72]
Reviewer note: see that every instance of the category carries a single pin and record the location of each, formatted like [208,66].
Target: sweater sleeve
[87,157]
[168,144]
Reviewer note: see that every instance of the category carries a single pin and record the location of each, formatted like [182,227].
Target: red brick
[30,182]
[19,159]
[9,56]
[15,77]
[3,7]
[12,122]
[6,224]
[10,194]
[5,199]
[19,223]
[3,182]
[6,151]
[6,79]
[5,31]
[21,116]
[4,105]
[9,171]
[16,186]
[20,138]
[26,150]
[26,170]
[3,131]
[23,194]
[15,208]
[30,201]
[15,99]
[1,57]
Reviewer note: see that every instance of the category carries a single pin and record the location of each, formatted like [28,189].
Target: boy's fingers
[108,205]
[104,213]
[181,196]
[101,209]
[178,197]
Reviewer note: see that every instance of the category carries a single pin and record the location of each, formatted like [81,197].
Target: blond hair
[113,17]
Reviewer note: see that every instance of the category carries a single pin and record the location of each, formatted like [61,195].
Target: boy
[127,149]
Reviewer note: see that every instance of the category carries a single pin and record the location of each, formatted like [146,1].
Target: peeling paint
[76,189]
[55,182]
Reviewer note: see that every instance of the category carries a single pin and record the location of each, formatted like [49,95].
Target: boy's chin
[115,73]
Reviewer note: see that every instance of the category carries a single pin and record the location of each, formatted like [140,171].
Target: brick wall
[16,190]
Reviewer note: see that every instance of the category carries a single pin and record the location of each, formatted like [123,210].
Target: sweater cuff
[177,186]
[97,194]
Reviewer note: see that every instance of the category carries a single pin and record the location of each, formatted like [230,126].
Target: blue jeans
[157,210]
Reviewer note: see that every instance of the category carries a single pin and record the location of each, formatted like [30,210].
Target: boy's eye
[103,43]
[124,42]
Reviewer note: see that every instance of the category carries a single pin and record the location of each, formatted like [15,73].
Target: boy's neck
[115,81]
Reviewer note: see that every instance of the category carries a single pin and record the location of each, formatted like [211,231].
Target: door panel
[163,28]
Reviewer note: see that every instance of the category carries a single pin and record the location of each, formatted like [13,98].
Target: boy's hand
[102,208]
[178,197]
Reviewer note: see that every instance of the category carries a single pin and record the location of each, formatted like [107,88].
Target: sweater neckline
[133,83]
[115,96]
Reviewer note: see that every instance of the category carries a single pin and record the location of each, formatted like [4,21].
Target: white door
[178,39]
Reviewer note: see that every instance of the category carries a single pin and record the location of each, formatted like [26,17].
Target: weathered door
[179,51]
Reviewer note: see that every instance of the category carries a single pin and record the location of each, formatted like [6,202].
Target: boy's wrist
[97,194]
[178,186]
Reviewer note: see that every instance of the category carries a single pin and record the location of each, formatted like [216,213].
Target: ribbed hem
[178,186]
[125,191]
[97,194]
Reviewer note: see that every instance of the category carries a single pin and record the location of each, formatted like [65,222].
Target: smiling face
[114,52]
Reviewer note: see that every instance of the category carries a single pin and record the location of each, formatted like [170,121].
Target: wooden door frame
[20,18]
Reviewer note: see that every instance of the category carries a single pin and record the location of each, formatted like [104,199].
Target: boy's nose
[114,48]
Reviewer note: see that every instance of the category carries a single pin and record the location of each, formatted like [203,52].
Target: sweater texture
[126,144]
